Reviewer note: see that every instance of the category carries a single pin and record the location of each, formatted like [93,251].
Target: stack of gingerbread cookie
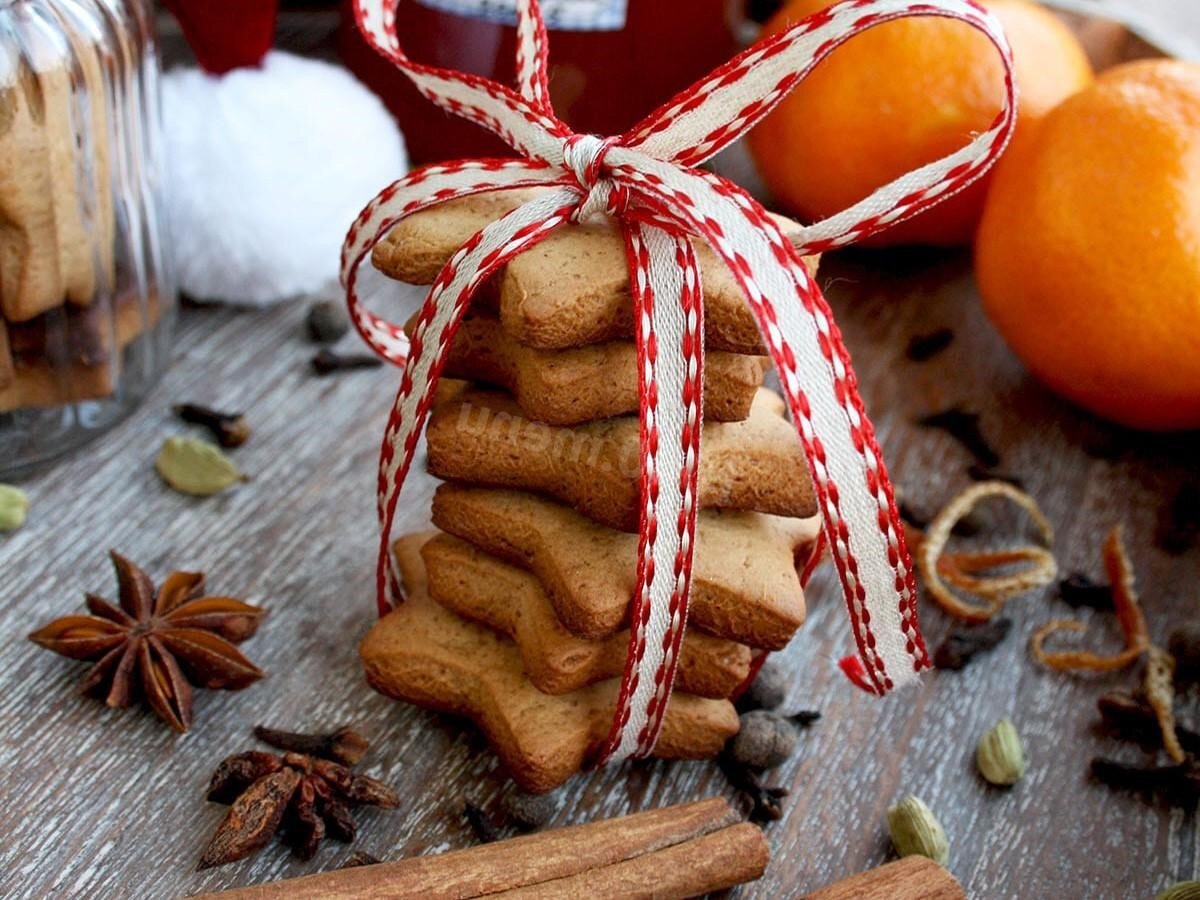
[516,611]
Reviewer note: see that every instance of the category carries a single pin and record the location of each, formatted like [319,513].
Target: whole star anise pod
[307,797]
[157,643]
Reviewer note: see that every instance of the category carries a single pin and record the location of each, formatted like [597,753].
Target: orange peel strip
[1159,689]
[1129,614]
[961,571]
[1076,660]
[996,590]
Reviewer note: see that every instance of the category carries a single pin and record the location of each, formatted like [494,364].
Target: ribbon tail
[436,324]
[533,81]
[862,526]
[668,318]
[517,120]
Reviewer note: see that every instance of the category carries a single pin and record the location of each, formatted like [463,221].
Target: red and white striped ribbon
[645,180]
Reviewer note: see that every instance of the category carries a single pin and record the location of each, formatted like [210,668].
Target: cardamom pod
[14,504]
[195,466]
[915,830]
[1000,756]
[1184,890]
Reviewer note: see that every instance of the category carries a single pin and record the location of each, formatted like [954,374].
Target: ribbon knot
[583,156]
[649,180]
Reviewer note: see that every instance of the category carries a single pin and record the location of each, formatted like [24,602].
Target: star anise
[157,644]
[307,797]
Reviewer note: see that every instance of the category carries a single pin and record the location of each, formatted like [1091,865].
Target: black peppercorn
[327,321]
[765,740]
[530,810]
[767,691]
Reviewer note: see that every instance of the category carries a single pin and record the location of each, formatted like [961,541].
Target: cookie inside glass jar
[83,289]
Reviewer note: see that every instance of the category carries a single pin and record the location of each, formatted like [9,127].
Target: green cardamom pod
[195,466]
[915,830]
[1184,890]
[14,504]
[1000,756]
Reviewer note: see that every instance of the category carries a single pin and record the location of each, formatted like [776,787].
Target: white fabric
[265,168]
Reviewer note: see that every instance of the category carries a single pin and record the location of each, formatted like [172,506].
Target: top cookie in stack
[518,608]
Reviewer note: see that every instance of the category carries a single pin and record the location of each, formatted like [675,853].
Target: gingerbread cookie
[509,600]
[84,365]
[482,437]
[744,582]
[52,240]
[568,387]
[424,654]
[571,289]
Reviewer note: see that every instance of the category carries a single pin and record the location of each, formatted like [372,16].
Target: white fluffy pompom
[267,169]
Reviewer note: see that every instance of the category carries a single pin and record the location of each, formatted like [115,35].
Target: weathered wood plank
[109,803]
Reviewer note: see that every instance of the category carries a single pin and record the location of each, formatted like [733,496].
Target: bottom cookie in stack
[486,636]
[424,654]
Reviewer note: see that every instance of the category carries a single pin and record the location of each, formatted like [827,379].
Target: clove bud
[230,429]
[326,361]
[345,745]
[1132,717]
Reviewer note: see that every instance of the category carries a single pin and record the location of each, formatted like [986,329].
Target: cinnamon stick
[910,878]
[677,851]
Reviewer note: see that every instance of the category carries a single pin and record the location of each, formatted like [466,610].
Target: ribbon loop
[648,181]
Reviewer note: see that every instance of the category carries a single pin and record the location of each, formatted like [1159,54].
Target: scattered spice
[1179,782]
[360,858]
[326,321]
[764,740]
[963,644]
[344,745]
[230,429]
[481,823]
[768,689]
[158,643]
[922,347]
[976,472]
[531,810]
[914,829]
[1183,890]
[911,516]
[1129,614]
[963,426]
[14,505]
[1184,644]
[964,570]
[196,467]
[765,805]
[306,797]
[1079,590]
[1179,523]
[1133,717]
[1159,689]
[1000,755]
[327,361]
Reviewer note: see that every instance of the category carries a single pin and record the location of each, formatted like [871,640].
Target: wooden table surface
[111,803]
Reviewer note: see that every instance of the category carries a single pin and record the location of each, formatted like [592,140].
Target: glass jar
[611,61]
[86,293]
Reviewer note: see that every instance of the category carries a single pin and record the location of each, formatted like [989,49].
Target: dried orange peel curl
[968,571]
[1157,686]
[1129,614]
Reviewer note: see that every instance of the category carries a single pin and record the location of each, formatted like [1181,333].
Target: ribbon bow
[645,180]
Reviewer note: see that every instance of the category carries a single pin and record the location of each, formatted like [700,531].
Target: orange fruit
[903,94]
[1088,255]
